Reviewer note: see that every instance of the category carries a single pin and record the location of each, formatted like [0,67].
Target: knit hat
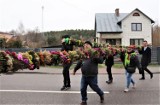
[131,46]
[66,36]
[88,42]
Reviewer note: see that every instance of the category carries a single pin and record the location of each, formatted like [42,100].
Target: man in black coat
[109,62]
[67,45]
[146,59]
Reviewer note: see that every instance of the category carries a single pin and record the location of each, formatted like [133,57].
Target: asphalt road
[43,87]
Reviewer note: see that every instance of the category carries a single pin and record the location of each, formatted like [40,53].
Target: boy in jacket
[89,68]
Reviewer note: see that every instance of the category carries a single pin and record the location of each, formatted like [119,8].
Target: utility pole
[1,41]
[42,21]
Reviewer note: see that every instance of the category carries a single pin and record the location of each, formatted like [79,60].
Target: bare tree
[21,29]
[35,39]
[156,35]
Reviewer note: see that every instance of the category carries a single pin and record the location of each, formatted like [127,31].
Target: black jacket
[89,67]
[134,62]
[146,56]
[67,47]
[109,60]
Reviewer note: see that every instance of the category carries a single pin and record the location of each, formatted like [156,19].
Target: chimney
[117,11]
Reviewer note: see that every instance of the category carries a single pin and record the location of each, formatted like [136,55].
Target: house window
[136,41]
[136,26]
[114,41]
[136,14]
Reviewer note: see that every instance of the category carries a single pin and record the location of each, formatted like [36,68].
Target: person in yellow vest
[130,62]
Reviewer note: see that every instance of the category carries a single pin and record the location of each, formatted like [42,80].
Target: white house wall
[112,36]
[98,36]
[129,34]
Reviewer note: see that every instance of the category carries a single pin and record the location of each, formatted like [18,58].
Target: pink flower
[26,61]
[19,56]
[31,67]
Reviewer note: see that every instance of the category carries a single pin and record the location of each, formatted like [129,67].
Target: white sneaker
[134,86]
[126,89]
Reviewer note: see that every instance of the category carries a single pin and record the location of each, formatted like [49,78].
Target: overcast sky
[67,14]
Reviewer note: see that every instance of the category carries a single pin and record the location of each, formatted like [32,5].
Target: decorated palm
[65,57]
[73,55]
[55,55]
[41,58]
[3,64]
[47,57]
[31,60]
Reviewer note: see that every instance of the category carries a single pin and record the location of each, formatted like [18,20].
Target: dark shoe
[68,87]
[83,103]
[151,76]
[102,98]
[142,78]
[63,88]
[109,81]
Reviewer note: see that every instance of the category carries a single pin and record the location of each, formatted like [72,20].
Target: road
[43,87]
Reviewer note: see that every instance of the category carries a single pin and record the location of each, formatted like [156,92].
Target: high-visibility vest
[127,58]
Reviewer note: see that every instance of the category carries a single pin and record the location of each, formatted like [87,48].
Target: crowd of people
[89,68]
[88,64]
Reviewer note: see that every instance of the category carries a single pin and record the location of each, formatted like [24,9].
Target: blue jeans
[129,79]
[92,82]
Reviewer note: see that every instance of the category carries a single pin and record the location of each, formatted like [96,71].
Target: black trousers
[144,68]
[66,75]
[109,72]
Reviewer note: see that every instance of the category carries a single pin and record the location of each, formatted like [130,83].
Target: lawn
[116,65]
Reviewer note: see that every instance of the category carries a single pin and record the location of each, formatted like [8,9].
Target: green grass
[59,66]
[155,65]
[121,65]
[73,65]
[118,65]
[101,66]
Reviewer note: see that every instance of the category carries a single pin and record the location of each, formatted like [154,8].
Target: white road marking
[42,91]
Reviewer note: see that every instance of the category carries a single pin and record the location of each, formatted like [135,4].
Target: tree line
[36,39]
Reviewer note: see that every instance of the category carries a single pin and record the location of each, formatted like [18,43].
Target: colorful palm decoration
[11,61]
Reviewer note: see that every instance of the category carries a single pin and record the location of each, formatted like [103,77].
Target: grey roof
[107,22]
[140,12]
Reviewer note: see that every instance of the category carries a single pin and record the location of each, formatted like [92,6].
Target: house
[7,36]
[123,28]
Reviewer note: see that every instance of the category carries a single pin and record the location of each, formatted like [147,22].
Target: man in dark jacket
[109,62]
[146,59]
[67,45]
[89,68]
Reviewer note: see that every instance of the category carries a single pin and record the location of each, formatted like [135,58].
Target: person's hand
[63,40]
[60,53]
